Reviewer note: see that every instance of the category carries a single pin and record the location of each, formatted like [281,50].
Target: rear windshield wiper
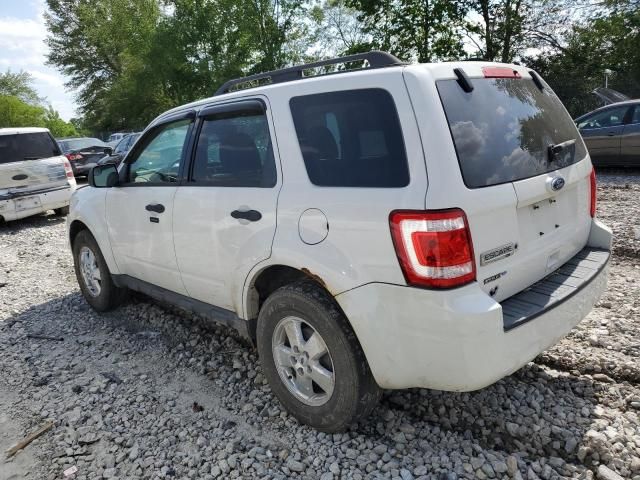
[555,150]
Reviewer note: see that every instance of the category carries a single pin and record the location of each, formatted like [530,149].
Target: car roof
[21,130]
[635,101]
[436,70]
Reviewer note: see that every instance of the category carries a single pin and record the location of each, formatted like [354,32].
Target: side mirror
[103,176]
[108,151]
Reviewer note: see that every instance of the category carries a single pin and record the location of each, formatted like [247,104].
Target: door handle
[611,134]
[155,207]
[251,215]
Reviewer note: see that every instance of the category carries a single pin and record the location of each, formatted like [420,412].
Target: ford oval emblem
[557,183]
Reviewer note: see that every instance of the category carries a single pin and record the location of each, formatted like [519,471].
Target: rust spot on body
[317,278]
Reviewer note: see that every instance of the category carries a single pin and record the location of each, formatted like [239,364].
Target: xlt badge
[497,253]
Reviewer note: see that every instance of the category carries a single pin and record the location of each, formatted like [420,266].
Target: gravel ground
[147,392]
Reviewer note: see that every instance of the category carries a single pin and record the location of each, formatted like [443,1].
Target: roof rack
[376,59]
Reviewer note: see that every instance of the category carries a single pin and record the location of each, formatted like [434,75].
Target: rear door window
[502,130]
[351,138]
[612,117]
[27,146]
[234,150]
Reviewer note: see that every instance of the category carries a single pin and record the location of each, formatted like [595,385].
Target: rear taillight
[593,192]
[68,170]
[434,247]
[73,156]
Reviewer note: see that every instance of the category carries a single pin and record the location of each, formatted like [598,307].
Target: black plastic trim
[376,59]
[234,108]
[9,196]
[536,79]
[463,80]
[554,289]
[208,311]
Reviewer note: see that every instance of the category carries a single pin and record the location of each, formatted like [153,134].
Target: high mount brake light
[593,193]
[500,72]
[434,247]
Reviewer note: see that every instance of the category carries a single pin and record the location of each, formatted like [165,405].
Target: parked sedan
[83,153]
[121,150]
[612,134]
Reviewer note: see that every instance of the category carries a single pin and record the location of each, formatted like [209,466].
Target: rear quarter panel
[358,248]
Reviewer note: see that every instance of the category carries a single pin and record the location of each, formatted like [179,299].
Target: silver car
[612,134]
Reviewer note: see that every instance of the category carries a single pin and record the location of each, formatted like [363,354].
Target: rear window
[80,143]
[502,130]
[27,146]
[351,138]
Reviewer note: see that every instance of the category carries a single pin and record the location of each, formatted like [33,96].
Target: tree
[609,41]
[132,59]
[426,30]
[16,113]
[340,29]
[19,85]
[56,125]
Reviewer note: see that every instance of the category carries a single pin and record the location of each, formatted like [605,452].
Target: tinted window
[502,130]
[79,144]
[612,117]
[160,157]
[121,147]
[351,139]
[27,146]
[636,115]
[235,151]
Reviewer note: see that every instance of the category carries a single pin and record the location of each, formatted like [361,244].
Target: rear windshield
[80,143]
[502,130]
[27,146]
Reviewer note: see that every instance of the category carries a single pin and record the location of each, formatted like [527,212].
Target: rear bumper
[460,340]
[49,200]
[81,170]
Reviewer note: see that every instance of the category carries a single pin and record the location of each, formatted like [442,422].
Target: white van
[34,175]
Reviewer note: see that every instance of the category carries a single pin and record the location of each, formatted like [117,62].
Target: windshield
[502,130]
[79,144]
[27,146]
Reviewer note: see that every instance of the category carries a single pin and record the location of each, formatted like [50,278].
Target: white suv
[34,175]
[395,226]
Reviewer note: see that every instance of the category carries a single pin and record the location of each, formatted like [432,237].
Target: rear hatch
[30,162]
[520,153]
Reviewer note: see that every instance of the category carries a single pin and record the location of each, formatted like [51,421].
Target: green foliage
[426,30]
[19,85]
[133,59]
[20,106]
[16,113]
[610,41]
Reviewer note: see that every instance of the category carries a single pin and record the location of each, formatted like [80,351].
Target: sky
[22,47]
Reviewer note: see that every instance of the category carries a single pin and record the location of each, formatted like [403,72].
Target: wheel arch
[100,235]
[75,228]
[267,280]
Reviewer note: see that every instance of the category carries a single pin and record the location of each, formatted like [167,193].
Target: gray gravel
[147,392]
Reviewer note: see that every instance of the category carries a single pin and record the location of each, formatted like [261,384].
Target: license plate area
[27,203]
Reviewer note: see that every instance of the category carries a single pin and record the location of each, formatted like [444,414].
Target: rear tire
[93,275]
[62,211]
[327,391]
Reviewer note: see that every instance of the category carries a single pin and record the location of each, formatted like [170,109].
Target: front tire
[313,360]
[93,275]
